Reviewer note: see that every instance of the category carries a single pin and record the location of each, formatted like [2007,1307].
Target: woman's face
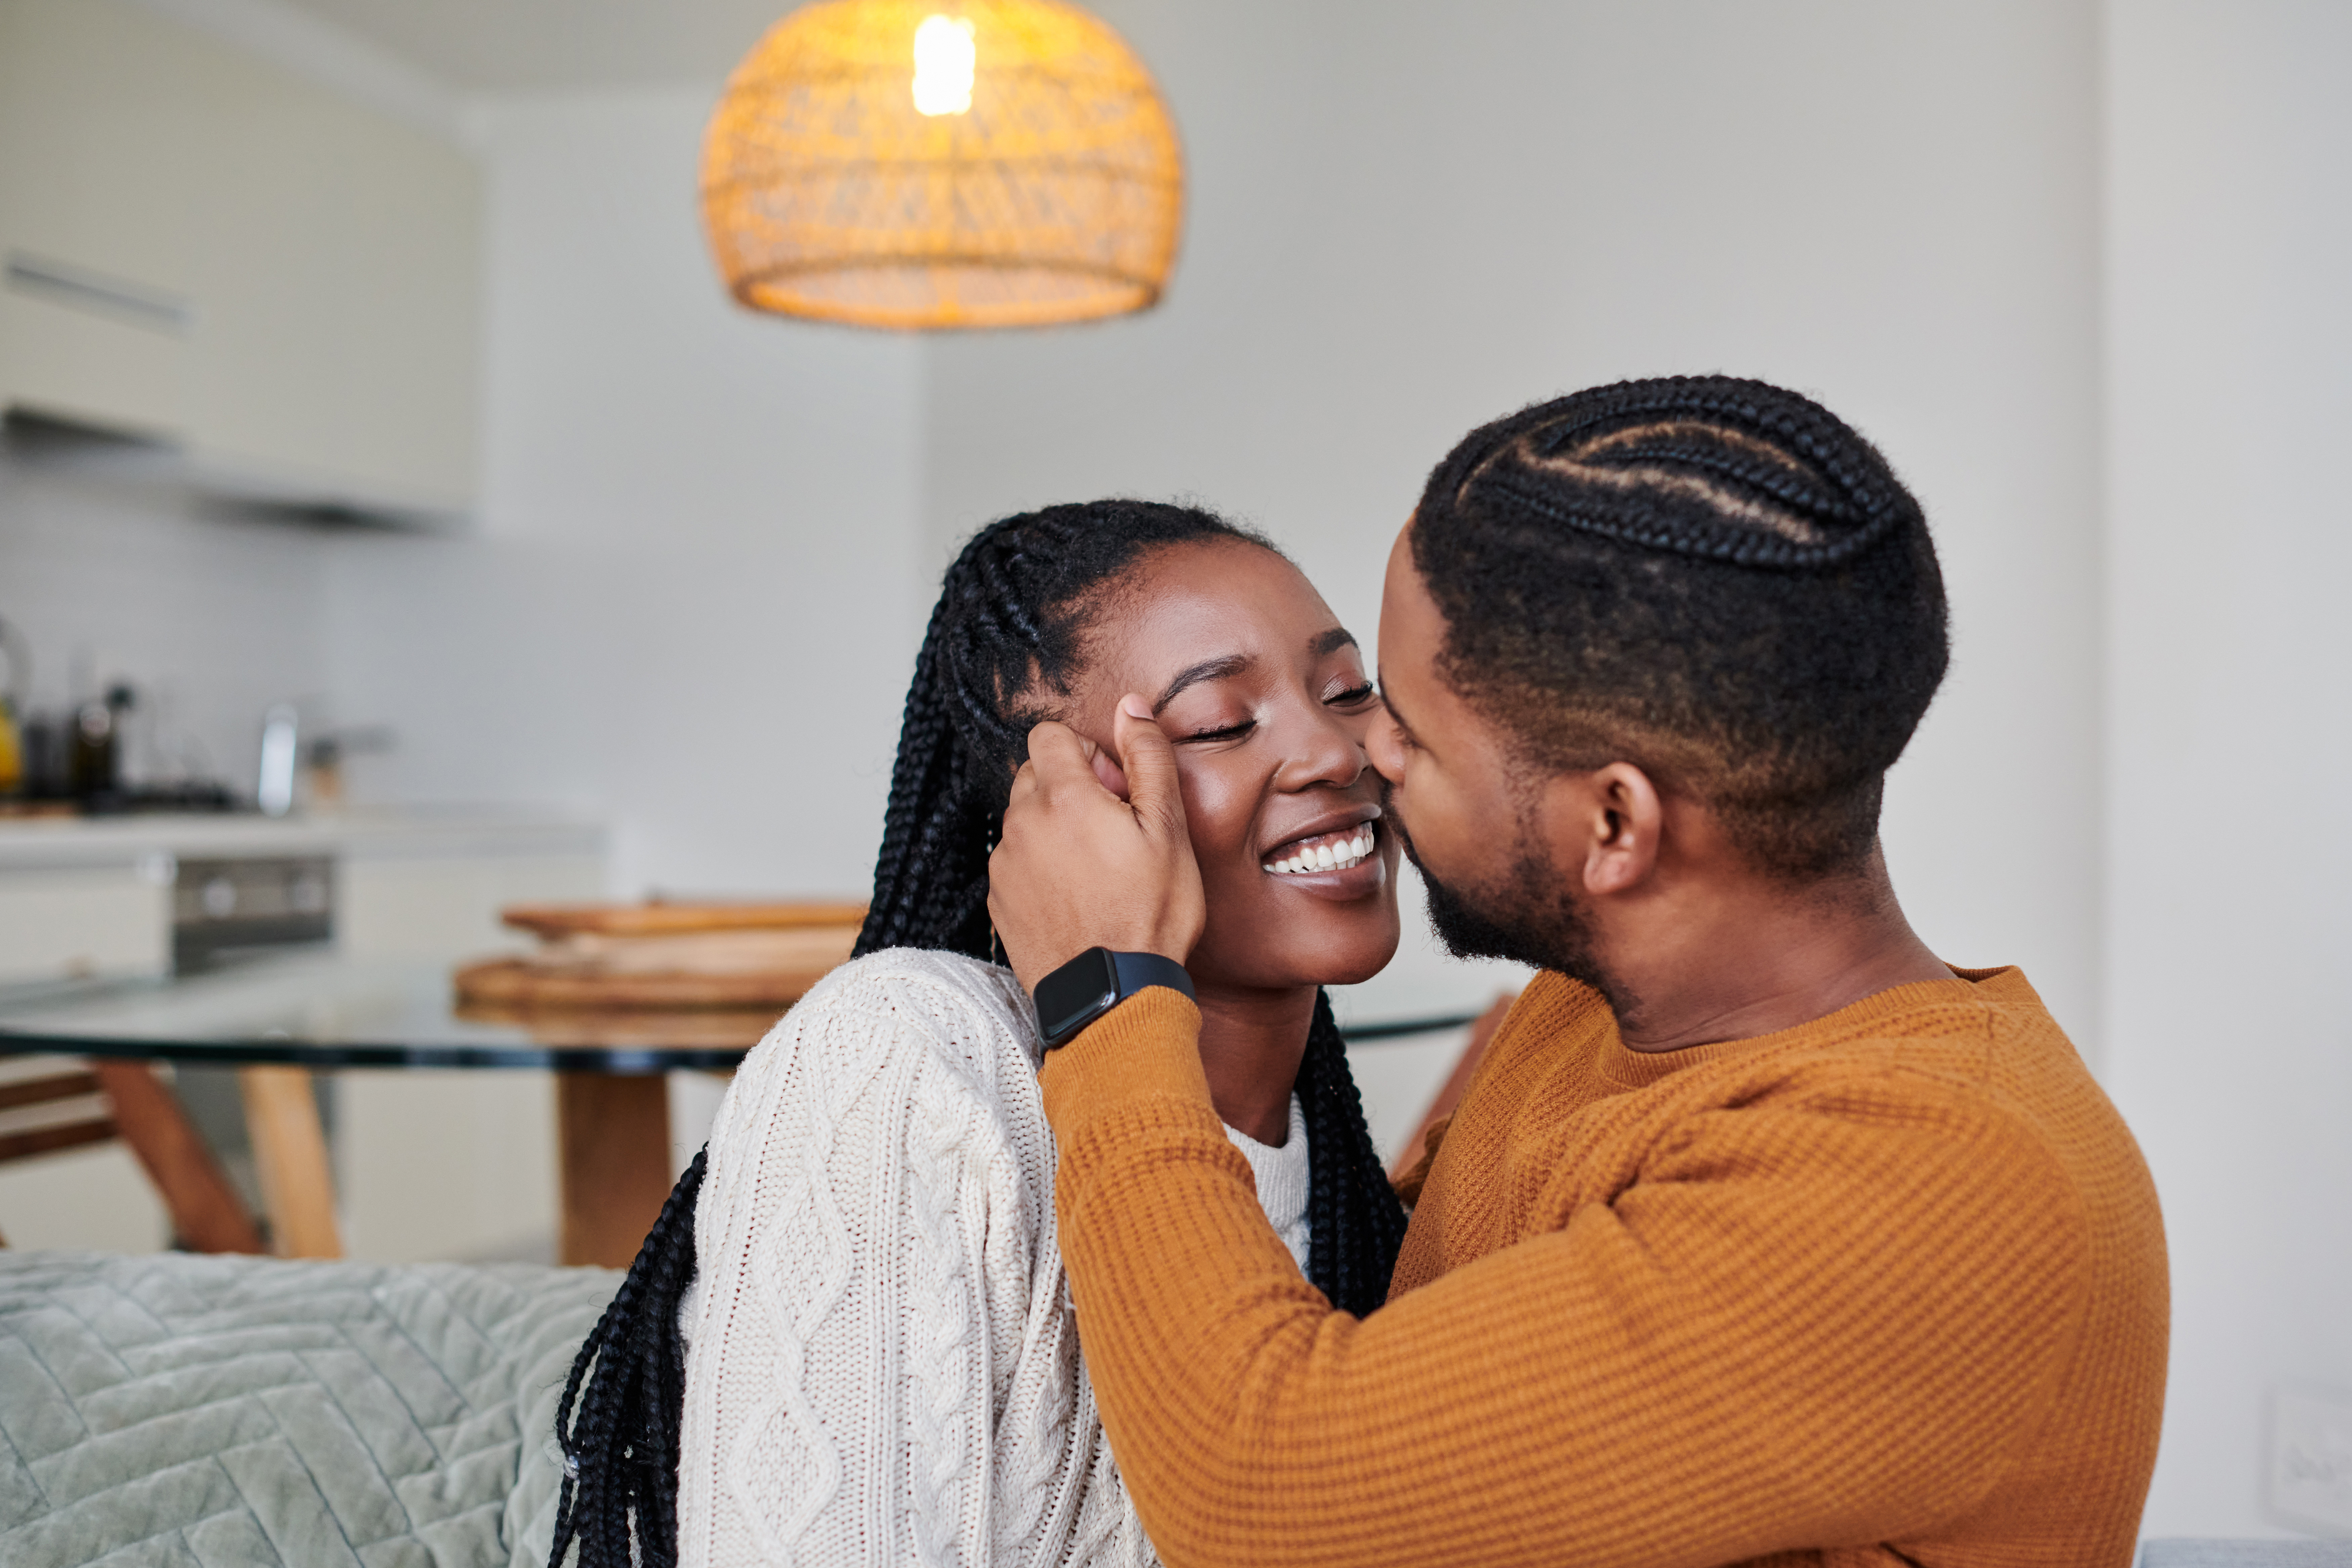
[1265,698]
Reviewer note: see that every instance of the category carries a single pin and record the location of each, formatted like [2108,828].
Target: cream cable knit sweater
[882,1362]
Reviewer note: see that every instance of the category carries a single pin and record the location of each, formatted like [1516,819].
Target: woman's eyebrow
[1206,670]
[1326,643]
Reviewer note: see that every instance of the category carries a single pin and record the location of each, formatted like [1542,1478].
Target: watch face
[1076,994]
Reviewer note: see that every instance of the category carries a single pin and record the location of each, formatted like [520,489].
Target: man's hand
[1079,867]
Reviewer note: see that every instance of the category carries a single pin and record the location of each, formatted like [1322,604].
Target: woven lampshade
[1014,166]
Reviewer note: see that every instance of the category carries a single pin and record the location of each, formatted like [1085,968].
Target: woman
[877,1360]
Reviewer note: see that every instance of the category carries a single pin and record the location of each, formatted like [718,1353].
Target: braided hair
[1715,578]
[1007,638]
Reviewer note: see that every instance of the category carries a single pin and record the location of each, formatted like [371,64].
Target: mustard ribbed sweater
[1886,1287]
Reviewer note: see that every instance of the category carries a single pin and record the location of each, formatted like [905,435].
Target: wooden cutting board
[517,983]
[664,956]
[658,918]
[790,950]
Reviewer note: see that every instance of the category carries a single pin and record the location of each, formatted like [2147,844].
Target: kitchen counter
[430,1162]
[73,843]
[96,896]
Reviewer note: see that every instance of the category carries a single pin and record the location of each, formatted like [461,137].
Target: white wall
[2228,907]
[210,616]
[1407,219]
[690,601]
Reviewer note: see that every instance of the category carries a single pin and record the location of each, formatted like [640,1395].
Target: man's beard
[1533,918]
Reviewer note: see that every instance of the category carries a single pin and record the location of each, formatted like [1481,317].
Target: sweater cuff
[1147,1047]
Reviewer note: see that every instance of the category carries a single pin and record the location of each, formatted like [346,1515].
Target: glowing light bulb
[944,63]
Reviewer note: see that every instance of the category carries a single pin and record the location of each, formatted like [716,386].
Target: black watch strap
[1093,983]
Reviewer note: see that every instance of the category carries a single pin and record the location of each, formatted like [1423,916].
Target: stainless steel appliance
[272,902]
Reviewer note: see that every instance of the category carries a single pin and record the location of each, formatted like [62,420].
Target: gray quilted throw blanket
[234,1412]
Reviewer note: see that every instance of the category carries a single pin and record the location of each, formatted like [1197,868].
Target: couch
[223,1412]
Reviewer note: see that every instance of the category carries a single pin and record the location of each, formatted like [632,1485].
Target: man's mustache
[1391,820]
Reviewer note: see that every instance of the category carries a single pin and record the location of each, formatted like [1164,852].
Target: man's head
[1696,617]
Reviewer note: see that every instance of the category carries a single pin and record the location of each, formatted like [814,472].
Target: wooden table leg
[297,1186]
[207,1213]
[613,1135]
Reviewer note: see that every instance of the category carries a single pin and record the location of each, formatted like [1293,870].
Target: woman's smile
[1342,862]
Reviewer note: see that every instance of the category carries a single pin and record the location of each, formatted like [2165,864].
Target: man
[1760,1233]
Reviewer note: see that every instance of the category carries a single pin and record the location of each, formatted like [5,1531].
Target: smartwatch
[1093,983]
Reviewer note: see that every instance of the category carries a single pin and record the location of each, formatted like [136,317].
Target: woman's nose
[1326,753]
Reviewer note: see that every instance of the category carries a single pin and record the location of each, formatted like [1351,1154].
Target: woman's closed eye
[1350,698]
[1234,731]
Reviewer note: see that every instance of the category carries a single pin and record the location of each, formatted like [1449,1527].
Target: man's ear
[1602,828]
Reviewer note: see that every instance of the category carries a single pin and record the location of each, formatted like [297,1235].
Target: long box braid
[1007,637]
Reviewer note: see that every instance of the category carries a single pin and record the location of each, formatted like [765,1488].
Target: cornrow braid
[1715,578]
[1007,637]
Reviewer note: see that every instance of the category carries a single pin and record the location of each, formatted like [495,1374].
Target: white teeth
[1329,855]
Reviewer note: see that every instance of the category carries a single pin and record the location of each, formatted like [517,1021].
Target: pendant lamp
[930,163]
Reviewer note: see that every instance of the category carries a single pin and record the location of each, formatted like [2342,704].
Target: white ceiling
[498,45]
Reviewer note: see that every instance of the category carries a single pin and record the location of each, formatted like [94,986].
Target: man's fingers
[1143,774]
[1057,755]
[1060,755]
[1109,772]
[1151,766]
[1075,867]
[1024,783]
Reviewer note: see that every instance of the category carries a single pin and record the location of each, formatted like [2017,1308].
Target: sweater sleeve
[881,1366]
[1828,1316]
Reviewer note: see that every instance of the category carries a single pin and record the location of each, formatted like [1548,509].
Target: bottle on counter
[46,761]
[280,758]
[19,662]
[97,738]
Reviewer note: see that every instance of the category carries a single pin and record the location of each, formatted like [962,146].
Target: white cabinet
[67,922]
[202,246]
[99,176]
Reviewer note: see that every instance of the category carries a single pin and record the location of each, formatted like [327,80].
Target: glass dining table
[276,1019]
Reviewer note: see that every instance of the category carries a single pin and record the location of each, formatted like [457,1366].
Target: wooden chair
[103,1100]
